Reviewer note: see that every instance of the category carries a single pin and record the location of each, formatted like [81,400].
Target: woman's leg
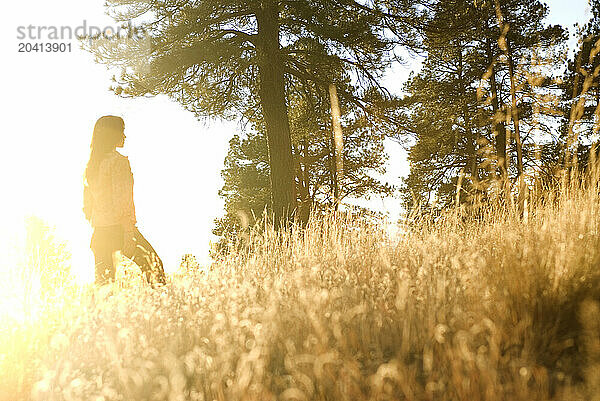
[105,268]
[105,240]
[147,259]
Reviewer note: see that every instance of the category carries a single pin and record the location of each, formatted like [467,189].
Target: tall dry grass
[502,307]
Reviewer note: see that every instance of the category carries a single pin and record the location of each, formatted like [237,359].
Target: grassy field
[504,308]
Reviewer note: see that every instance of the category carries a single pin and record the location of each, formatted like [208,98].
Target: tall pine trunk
[498,127]
[504,44]
[274,108]
[514,111]
[471,140]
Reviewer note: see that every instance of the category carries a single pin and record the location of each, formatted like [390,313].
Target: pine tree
[246,191]
[482,66]
[581,91]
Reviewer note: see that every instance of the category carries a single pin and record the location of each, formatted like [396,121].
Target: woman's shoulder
[121,162]
[114,154]
[116,157]
[115,160]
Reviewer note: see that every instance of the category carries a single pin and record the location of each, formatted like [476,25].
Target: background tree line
[497,101]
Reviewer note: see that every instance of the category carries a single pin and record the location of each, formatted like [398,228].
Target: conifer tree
[581,91]
[478,87]
[246,191]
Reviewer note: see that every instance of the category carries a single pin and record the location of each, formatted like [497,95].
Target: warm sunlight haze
[301,200]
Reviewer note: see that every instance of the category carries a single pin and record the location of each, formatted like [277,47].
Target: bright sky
[52,101]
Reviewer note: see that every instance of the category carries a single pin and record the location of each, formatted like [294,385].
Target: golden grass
[503,308]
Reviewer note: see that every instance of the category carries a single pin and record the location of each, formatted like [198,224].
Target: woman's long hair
[108,132]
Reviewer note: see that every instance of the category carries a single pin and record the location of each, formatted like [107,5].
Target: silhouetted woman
[108,205]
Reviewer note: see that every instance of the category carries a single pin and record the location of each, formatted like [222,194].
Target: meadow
[505,306]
